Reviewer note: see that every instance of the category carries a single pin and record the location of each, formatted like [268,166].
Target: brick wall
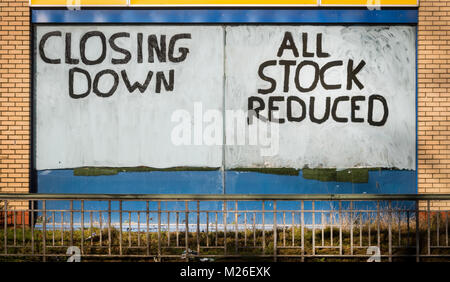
[14,96]
[434,97]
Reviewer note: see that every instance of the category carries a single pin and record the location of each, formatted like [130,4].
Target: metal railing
[219,227]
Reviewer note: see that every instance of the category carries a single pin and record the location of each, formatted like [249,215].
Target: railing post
[322,224]
[446,228]
[236,235]
[437,229]
[23,228]
[263,228]
[44,230]
[331,229]
[292,228]
[61,228]
[369,227]
[217,230]
[428,229]
[313,243]
[82,227]
[407,228]
[417,233]
[5,226]
[360,229]
[120,227]
[390,230]
[32,227]
[245,229]
[14,222]
[275,239]
[302,226]
[378,224]
[109,227]
[147,214]
[159,231]
[91,227]
[176,227]
[186,237]
[207,229]
[168,228]
[351,228]
[198,227]
[399,215]
[129,229]
[225,227]
[71,223]
[284,229]
[100,219]
[340,228]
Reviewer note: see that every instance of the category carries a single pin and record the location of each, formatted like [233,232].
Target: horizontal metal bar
[227,256]
[229,197]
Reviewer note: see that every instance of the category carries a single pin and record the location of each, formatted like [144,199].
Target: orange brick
[15,94]
[433,64]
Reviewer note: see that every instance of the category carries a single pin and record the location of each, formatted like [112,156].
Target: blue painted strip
[210,182]
[227,16]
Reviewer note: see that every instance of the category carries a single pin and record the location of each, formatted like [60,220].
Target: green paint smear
[97,171]
[352,175]
[278,170]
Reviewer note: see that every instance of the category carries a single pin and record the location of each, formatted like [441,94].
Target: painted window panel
[97,106]
[394,174]
[345,96]
[311,76]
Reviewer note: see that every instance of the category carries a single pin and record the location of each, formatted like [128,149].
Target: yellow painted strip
[79,2]
[223,2]
[369,2]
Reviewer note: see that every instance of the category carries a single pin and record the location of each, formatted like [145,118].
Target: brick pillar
[14,97]
[434,98]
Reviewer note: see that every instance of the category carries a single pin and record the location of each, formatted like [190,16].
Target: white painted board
[389,54]
[133,129]
[124,129]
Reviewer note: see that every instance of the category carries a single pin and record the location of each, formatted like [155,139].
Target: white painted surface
[133,129]
[389,53]
[126,129]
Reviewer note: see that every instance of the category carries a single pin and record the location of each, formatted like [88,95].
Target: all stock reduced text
[307,105]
